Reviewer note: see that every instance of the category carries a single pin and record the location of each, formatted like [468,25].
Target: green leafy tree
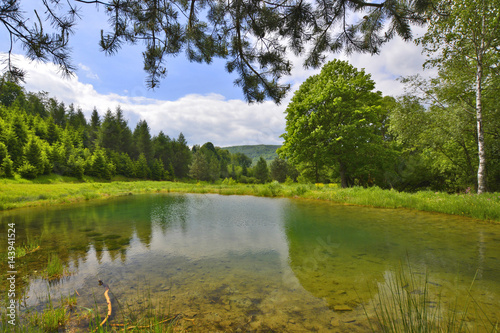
[224,161]
[334,120]
[437,141]
[279,170]
[125,166]
[9,92]
[261,171]
[255,37]
[464,38]
[199,167]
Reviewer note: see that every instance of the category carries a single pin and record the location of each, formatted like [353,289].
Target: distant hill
[268,152]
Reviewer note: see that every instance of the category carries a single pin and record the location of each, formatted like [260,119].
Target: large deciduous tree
[334,120]
[464,37]
[255,37]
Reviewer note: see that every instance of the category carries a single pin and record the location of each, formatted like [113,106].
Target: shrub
[248,180]
[275,188]
[7,168]
[228,181]
[27,171]
[299,190]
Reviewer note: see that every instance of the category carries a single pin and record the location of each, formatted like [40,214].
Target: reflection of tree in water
[73,231]
[340,252]
[331,261]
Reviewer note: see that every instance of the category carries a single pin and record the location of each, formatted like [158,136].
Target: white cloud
[88,72]
[200,118]
[397,58]
[211,117]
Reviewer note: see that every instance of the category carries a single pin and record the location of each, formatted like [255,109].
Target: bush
[7,168]
[275,188]
[76,166]
[228,181]
[299,190]
[288,181]
[248,180]
[27,171]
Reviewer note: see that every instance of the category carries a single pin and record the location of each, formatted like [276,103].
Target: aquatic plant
[55,268]
[27,247]
[407,303]
[51,319]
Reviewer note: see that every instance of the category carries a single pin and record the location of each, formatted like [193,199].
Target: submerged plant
[30,246]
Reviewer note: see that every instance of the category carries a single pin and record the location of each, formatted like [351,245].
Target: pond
[240,263]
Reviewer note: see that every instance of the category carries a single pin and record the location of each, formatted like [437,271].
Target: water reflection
[249,263]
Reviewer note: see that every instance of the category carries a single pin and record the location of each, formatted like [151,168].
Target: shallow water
[238,263]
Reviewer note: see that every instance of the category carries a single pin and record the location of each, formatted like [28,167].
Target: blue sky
[199,100]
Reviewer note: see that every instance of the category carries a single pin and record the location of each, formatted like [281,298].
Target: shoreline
[15,195]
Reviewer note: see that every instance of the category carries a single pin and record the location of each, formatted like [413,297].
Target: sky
[198,100]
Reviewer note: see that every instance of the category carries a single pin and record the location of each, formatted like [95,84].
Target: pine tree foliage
[255,37]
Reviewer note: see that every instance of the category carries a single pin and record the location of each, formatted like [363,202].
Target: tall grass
[139,315]
[51,319]
[55,268]
[406,302]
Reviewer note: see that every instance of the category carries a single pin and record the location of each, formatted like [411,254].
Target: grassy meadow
[54,190]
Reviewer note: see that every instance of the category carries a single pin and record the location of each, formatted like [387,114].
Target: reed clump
[55,268]
[410,302]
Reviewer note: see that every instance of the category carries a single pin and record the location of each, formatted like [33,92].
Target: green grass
[51,318]
[54,190]
[55,268]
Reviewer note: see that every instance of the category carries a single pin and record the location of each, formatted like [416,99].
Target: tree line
[443,133]
[40,135]
[339,129]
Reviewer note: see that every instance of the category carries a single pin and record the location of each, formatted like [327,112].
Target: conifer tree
[261,171]
[142,140]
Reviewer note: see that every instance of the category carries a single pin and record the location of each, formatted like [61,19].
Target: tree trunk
[481,170]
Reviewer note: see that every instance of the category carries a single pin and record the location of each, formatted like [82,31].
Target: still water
[238,263]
